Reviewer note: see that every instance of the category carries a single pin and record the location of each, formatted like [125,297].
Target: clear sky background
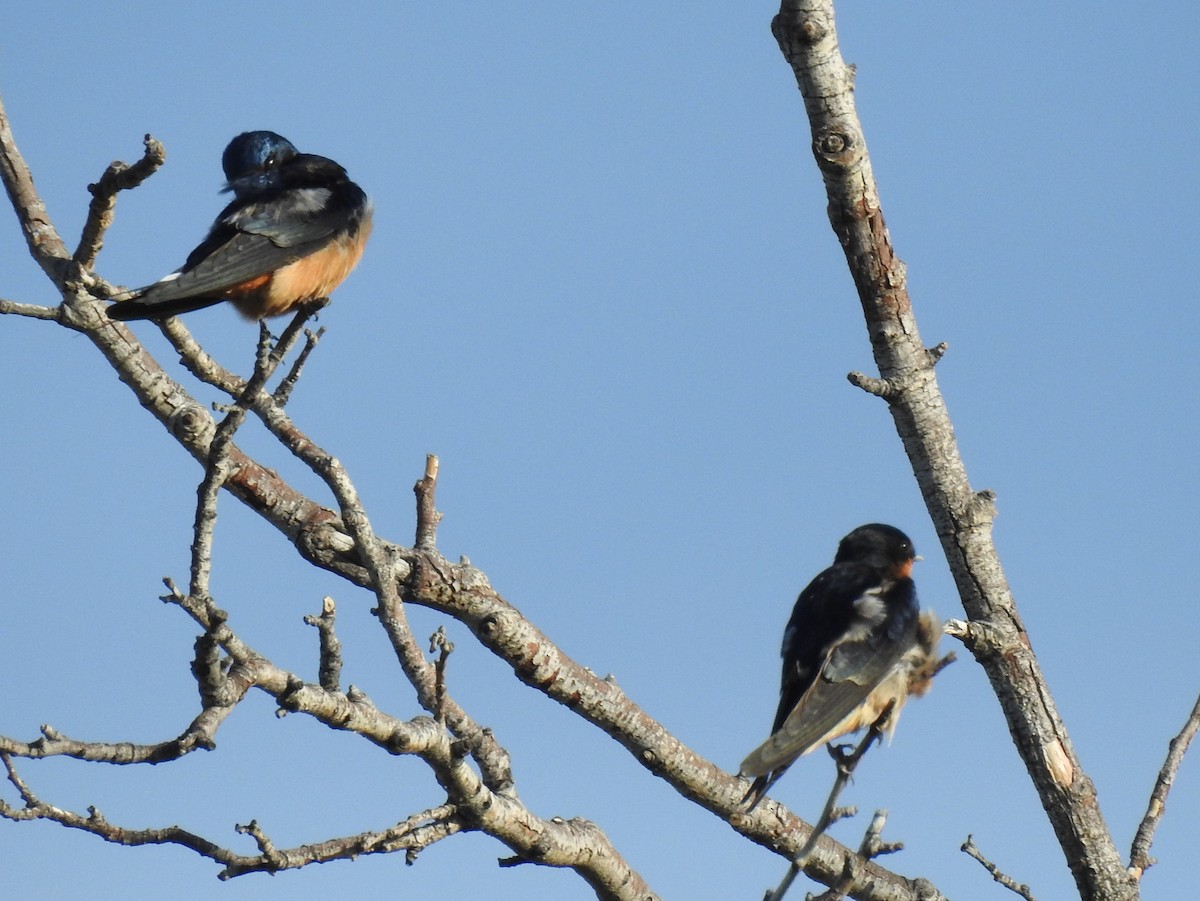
[603,289]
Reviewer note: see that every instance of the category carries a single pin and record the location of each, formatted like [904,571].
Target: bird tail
[756,792]
[758,788]
[145,308]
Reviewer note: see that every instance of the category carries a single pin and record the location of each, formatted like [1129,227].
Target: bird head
[252,159]
[881,546]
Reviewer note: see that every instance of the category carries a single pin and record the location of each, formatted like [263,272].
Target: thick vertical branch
[806,34]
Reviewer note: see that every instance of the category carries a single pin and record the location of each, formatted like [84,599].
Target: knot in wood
[398,742]
[797,30]
[191,423]
[487,625]
[812,30]
[835,147]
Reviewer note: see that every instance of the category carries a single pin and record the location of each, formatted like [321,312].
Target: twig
[1007,881]
[284,391]
[846,764]
[217,469]
[1139,857]
[871,846]
[116,178]
[30,310]
[267,358]
[197,361]
[386,571]
[439,642]
[411,835]
[883,388]
[330,667]
[427,516]
[269,353]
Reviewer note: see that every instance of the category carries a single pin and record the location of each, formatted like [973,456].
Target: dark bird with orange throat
[856,644]
[296,227]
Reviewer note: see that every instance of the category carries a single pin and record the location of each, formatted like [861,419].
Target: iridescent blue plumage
[295,229]
[251,161]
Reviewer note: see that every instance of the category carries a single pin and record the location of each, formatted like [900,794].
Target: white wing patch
[311,200]
[870,610]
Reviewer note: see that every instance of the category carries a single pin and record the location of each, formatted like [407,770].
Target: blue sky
[603,289]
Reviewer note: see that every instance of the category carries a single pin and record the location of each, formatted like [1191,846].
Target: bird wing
[246,243]
[851,670]
[298,217]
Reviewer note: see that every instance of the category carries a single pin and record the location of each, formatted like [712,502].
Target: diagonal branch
[971,850]
[341,542]
[116,178]
[1139,857]
[41,237]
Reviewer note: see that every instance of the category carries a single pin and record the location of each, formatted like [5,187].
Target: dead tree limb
[807,36]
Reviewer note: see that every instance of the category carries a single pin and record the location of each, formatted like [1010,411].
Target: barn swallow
[856,644]
[296,227]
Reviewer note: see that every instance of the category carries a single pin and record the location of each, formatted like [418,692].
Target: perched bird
[296,227]
[856,642]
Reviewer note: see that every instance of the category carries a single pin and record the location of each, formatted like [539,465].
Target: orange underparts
[302,281]
[250,287]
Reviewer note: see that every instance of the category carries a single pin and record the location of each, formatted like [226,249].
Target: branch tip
[884,388]
[427,515]
[1139,856]
[117,177]
[970,849]
[329,669]
[981,509]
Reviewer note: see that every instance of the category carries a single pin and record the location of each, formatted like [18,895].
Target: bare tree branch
[846,764]
[45,245]
[284,392]
[575,843]
[871,846]
[1008,882]
[1139,857]
[117,177]
[427,516]
[445,647]
[330,670]
[29,310]
[411,835]
[342,541]
[197,361]
[807,37]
